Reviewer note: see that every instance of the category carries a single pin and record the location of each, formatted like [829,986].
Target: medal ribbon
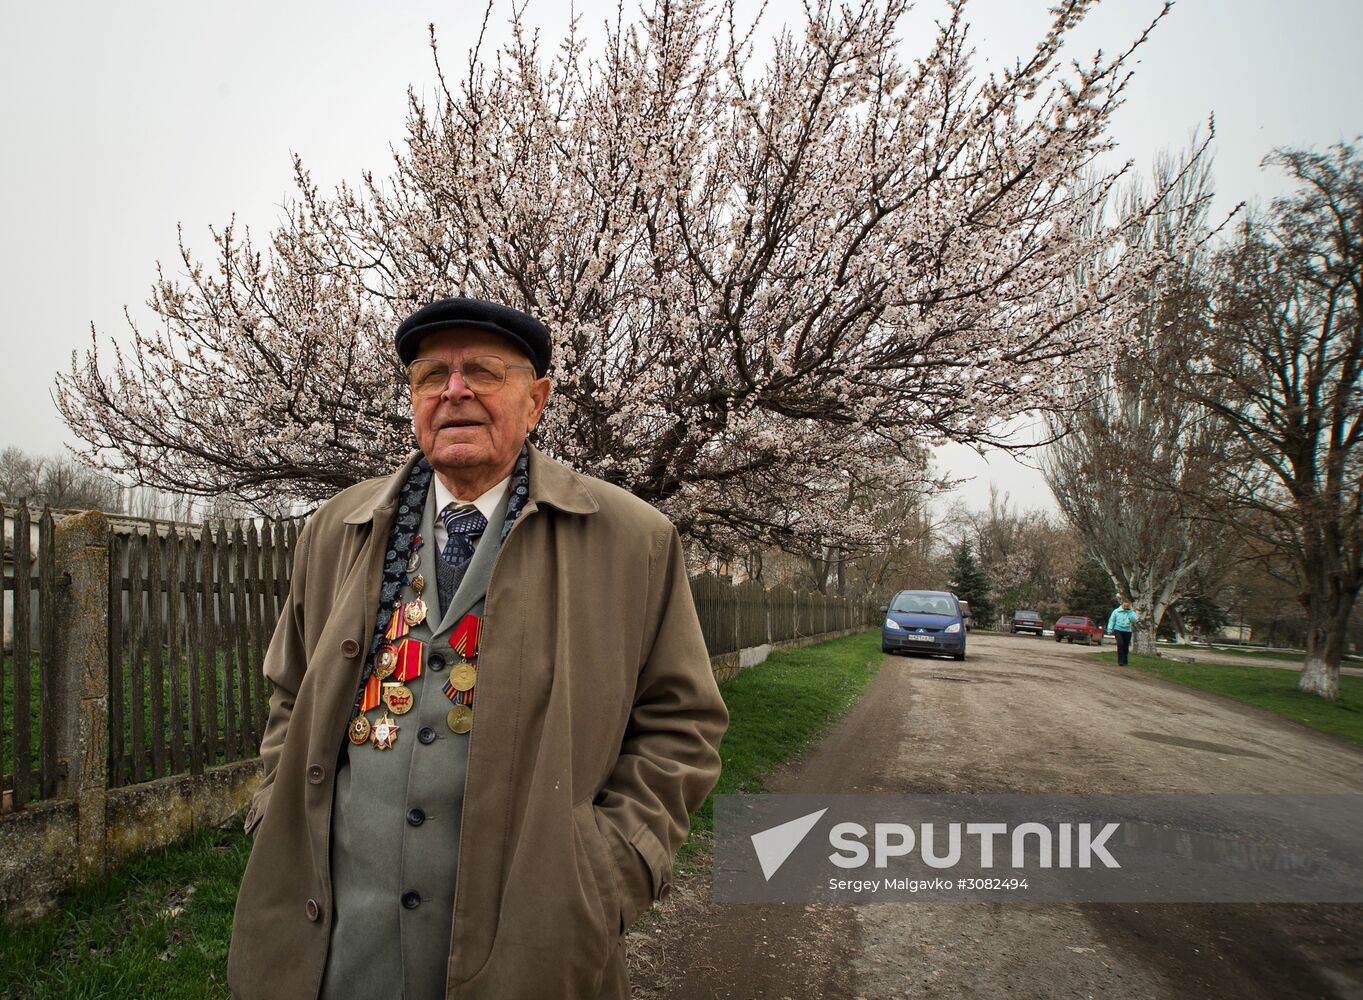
[397,625]
[372,694]
[466,636]
[457,696]
[409,660]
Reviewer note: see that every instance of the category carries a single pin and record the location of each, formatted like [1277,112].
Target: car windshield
[922,604]
[1069,620]
[1025,614]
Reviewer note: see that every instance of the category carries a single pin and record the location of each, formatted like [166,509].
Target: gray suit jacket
[397,814]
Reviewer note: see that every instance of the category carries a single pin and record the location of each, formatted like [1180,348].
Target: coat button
[313,911]
[426,735]
[350,647]
[316,772]
[411,900]
[415,817]
[435,661]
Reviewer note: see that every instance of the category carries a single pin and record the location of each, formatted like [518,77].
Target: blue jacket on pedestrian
[1122,620]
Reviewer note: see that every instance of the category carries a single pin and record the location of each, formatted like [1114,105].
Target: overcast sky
[121,121]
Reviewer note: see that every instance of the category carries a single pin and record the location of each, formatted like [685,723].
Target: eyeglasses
[482,374]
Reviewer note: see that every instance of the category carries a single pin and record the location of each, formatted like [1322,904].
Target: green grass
[1273,690]
[776,710]
[122,937]
[119,939]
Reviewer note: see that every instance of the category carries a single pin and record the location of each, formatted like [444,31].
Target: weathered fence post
[82,560]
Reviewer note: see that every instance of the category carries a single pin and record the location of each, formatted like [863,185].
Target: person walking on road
[1121,623]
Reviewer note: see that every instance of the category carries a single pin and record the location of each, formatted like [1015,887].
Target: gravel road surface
[1025,715]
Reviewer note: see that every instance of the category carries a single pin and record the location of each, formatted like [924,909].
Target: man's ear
[539,398]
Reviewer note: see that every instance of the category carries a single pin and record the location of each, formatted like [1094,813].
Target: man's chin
[456,456]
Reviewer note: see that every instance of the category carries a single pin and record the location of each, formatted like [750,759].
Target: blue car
[924,621]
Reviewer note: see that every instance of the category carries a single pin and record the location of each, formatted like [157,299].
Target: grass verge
[161,925]
[158,927]
[1273,690]
[777,710]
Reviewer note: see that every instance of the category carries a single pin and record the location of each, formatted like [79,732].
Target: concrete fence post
[82,564]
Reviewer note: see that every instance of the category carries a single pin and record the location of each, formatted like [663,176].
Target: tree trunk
[1143,635]
[1324,644]
[1328,597]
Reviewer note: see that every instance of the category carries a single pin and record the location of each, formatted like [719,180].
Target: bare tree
[1134,460]
[20,473]
[1028,555]
[1284,372]
[767,282]
[55,481]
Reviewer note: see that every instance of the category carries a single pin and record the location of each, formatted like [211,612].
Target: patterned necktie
[465,526]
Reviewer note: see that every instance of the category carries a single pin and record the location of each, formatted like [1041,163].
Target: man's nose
[456,387]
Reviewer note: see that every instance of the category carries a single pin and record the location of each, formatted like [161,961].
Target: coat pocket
[598,872]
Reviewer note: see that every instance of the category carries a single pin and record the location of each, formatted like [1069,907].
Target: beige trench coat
[597,732]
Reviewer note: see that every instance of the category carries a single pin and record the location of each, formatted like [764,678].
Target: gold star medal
[385,733]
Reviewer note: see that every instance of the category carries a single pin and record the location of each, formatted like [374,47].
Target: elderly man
[492,708]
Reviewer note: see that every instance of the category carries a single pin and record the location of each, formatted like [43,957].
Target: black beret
[522,329]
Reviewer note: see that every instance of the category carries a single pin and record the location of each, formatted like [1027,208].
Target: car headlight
[953,627]
[891,623]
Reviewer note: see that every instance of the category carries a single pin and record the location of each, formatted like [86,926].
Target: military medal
[418,584]
[463,676]
[385,661]
[415,612]
[459,719]
[385,733]
[398,698]
[414,557]
[359,730]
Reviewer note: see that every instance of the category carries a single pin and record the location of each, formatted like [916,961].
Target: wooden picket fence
[191,609]
[744,615]
[28,759]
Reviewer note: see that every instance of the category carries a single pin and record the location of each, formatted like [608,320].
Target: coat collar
[555,484]
[551,483]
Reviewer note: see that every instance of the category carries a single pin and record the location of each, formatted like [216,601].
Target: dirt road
[1026,715]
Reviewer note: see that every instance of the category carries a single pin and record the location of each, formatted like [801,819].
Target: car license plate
[919,638]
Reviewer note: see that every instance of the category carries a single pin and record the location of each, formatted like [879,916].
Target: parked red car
[1074,627]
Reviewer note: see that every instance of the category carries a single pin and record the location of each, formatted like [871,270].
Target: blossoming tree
[771,280]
